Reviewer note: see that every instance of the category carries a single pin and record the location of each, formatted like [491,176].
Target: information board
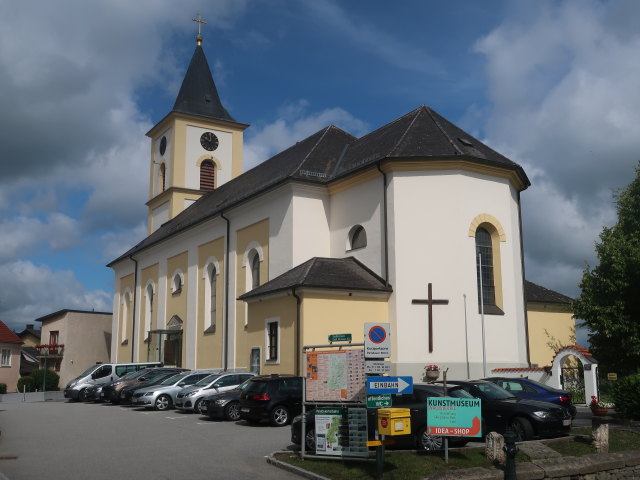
[460,417]
[341,432]
[335,376]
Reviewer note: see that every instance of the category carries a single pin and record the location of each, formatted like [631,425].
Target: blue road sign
[389,385]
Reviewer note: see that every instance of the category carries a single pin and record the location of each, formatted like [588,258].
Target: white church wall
[194,151]
[158,159]
[310,215]
[444,255]
[359,205]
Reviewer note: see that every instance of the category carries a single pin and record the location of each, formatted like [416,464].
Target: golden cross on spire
[200,22]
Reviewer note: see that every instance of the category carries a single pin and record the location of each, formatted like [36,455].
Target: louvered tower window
[207,175]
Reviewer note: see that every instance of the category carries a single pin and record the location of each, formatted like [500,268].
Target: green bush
[626,396]
[3,388]
[26,384]
[51,380]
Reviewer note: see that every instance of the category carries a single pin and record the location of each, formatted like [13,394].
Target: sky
[551,84]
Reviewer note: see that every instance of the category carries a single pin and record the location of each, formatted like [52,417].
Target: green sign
[340,337]
[382,400]
[454,416]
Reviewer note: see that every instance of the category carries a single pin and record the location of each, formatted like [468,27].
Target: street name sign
[448,416]
[377,343]
[340,337]
[377,366]
[389,385]
[379,401]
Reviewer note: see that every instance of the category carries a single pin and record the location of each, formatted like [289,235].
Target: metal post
[44,374]
[466,335]
[380,460]
[484,350]
[446,438]
[511,450]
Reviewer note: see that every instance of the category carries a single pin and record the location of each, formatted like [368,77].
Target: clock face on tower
[209,141]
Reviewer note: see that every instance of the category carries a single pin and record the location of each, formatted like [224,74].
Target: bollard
[510,449]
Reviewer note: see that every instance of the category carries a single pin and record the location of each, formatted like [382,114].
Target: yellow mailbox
[394,421]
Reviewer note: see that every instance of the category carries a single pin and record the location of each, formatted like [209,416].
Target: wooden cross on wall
[430,301]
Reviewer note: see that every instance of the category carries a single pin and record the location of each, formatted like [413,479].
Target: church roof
[198,94]
[331,154]
[318,272]
[536,293]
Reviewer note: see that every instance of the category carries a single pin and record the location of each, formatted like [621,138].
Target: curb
[290,468]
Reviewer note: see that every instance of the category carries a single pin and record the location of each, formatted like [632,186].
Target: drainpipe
[386,226]
[227,266]
[524,299]
[298,322]
[135,302]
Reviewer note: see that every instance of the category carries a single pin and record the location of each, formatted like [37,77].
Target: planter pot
[431,375]
[599,412]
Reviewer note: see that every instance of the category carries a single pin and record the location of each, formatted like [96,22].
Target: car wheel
[310,440]
[280,416]
[232,411]
[522,428]
[82,395]
[163,402]
[428,442]
[197,406]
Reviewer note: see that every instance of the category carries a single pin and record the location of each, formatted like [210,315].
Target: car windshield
[207,380]
[89,370]
[129,376]
[159,379]
[492,391]
[244,385]
[256,387]
[542,386]
[174,379]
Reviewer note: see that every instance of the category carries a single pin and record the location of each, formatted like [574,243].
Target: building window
[210,296]
[255,269]
[6,357]
[54,336]
[124,321]
[272,333]
[162,177]
[207,175]
[177,282]
[484,268]
[357,237]
[148,310]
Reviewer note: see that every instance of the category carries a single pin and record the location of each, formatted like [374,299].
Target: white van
[101,373]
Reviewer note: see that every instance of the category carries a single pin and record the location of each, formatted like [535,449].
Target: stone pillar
[494,448]
[600,434]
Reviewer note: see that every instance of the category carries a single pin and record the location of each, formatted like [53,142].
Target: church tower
[195,148]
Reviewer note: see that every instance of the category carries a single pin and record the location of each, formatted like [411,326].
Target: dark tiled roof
[334,273]
[198,94]
[332,153]
[536,293]
[67,310]
[7,336]
[30,331]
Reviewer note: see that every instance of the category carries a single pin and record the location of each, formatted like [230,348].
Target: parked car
[111,392]
[527,418]
[527,388]
[224,405]
[126,393]
[277,398]
[92,393]
[190,398]
[416,402]
[162,396]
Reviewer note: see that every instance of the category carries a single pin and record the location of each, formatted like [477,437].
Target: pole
[446,438]
[466,335]
[484,350]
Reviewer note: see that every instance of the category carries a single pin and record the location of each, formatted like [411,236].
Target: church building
[416,224]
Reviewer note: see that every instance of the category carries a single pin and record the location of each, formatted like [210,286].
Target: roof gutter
[524,299]
[225,341]
[298,350]
[135,302]
[385,222]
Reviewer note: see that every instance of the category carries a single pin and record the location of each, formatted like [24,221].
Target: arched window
[148,310]
[177,282]
[210,295]
[357,237]
[162,177]
[124,320]
[484,268]
[255,269]
[207,175]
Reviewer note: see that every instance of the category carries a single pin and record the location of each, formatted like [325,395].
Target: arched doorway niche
[589,365]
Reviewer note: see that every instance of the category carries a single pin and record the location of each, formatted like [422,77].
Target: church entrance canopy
[165,345]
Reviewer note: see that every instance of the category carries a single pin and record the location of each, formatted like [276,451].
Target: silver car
[163,395]
[190,398]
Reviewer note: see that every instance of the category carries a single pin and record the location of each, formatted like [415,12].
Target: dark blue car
[526,388]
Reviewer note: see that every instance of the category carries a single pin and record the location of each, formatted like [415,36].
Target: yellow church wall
[323,315]
[547,322]
[124,351]
[282,309]
[177,301]
[258,233]
[147,274]
[209,344]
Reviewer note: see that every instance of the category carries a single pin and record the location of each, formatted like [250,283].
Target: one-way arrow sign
[389,385]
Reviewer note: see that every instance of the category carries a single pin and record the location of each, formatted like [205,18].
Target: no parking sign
[377,343]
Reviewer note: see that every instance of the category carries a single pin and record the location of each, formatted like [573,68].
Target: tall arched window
[162,177]
[255,269]
[124,321]
[357,237]
[207,175]
[484,268]
[148,310]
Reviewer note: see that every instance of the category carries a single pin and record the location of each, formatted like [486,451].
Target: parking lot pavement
[61,440]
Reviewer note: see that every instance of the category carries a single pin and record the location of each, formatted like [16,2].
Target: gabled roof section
[536,293]
[329,273]
[64,311]
[7,336]
[198,94]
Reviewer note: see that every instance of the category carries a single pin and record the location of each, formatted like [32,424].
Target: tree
[609,303]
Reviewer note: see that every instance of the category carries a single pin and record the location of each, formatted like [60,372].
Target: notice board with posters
[341,432]
[335,376]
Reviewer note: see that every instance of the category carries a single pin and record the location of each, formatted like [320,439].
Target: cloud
[566,107]
[295,124]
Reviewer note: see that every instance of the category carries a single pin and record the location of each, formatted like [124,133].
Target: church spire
[198,94]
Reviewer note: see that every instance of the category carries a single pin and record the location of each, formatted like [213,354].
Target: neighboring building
[73,340]
[30,336]
[10,345]
[241,269]
[29,354]
[551,323]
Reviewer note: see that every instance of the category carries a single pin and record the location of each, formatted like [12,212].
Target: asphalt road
[61,440]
